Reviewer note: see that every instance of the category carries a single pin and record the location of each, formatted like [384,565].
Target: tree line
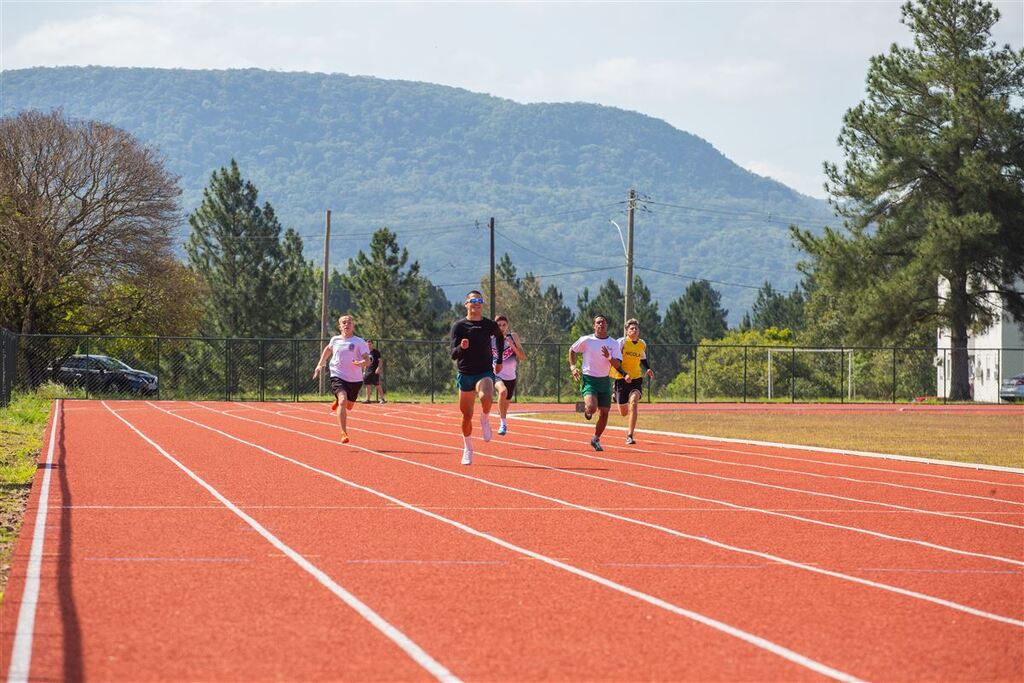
[931,190]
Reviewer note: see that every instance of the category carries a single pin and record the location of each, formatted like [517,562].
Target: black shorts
[351,389]
[510,384]
[623,389]
[372,379]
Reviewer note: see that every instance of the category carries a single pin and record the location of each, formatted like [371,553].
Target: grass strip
[22,424]
[980,438]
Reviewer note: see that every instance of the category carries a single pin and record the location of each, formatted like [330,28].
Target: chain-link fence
[193,368]
[8,351]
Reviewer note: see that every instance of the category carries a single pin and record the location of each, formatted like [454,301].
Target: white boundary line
[673,532]
[751,482]
[749,638]
[728,505]
[415,652]
[791,446]
[21,652]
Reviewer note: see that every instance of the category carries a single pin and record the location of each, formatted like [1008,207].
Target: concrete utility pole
[324,332]
[492,269]
[629,256]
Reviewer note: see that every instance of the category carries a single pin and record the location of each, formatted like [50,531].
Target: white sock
[503,424]
[468,441]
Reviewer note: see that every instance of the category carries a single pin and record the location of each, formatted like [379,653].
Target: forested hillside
[434,163]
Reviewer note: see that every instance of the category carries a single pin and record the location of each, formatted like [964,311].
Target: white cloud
[174,35]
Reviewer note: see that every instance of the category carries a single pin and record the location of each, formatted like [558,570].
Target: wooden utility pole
[324,332]
[492,269]
[629,257]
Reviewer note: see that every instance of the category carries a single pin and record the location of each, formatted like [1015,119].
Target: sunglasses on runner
[475,300]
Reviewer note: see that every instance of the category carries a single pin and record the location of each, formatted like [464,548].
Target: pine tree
[255,285]
[391,301]
[610,302]
[774,309]
[932,188]
[696,315]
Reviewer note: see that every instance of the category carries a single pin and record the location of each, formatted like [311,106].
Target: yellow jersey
[632,353]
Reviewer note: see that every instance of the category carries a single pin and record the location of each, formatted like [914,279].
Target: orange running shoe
[344,437]
[334,406]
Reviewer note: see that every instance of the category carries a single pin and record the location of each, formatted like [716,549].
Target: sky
[767,82]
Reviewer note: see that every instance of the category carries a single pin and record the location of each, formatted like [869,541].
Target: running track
[240,542]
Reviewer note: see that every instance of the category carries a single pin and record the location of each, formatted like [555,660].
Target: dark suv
[104,374]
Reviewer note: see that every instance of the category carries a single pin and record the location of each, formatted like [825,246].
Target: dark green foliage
[390,301]
[932,186]
[436,160]
[700,307]
[775,309]
[610,302]
[255,283]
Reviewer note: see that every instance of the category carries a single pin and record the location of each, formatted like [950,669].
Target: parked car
[1012,389]
[104,374]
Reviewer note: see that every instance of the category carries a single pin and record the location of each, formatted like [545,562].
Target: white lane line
[706,475]
[816,449]
[21,653]
[518,509]
[574,427]
[679,494]
[168,559]
[674,532]
[474,563]
[987,499]
[414,651]
[756,641]
[786,471]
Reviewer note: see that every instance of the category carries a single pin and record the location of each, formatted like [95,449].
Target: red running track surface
[179,541]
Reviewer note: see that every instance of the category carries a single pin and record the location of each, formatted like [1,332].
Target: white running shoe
[503,429]
[485,426]
[596,444]
[467,456]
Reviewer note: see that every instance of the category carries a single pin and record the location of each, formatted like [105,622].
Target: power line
[537,253]
[767,216]
[695,278]
[537,275]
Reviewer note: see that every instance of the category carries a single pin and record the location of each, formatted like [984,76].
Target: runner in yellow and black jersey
[629,381]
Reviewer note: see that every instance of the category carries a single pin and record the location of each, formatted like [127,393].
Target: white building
[992,356]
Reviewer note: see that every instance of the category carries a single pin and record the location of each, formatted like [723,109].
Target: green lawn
[21,434]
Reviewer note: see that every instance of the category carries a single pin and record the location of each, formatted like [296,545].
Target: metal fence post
[433,379]
[295,370]
[227,369]
[894,374]
[745,349]
[792,375]
[945,379]
[842,375]
[558,373]
[158,382]
[696,349]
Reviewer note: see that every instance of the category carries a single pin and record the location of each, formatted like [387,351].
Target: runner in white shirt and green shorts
[600,354]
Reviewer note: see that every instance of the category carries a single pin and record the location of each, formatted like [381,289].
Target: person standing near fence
[348,355]
[629,380]
[373,375]
[600,353]
[471,350]
[509,363]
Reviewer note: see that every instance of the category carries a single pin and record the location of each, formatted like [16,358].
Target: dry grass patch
[990,439]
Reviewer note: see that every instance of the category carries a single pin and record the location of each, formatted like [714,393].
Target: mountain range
[434,163]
